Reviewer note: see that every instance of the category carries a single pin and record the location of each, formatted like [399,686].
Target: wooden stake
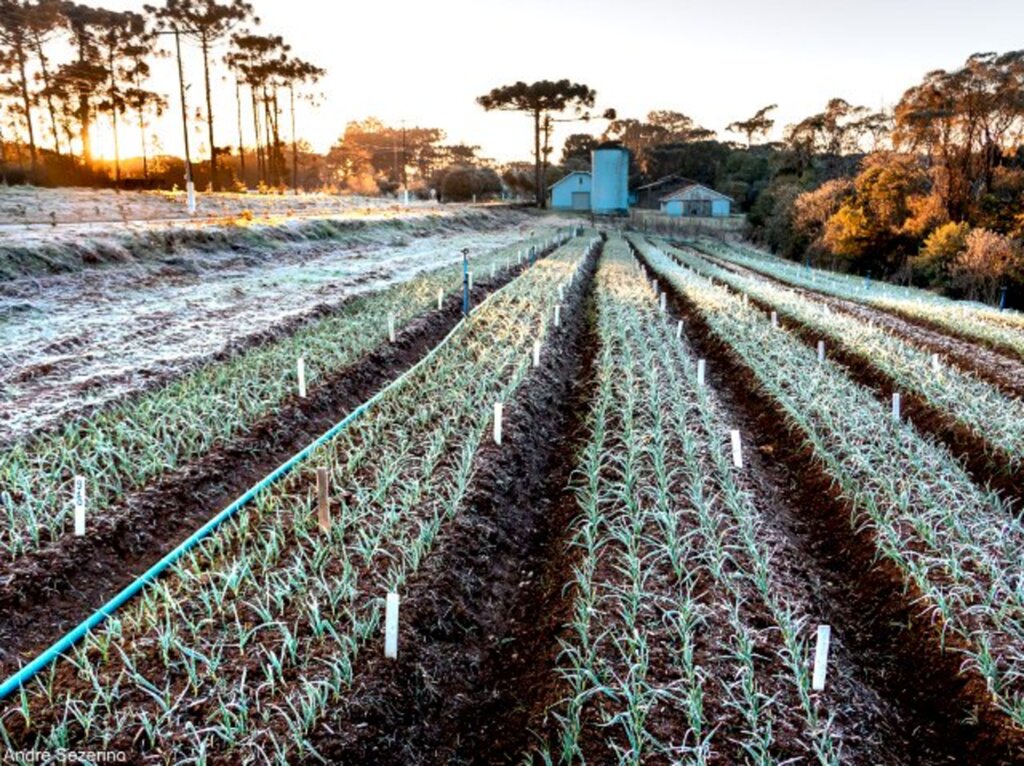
[391,627]
[323,509]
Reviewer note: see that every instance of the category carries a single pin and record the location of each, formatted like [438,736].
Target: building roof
[569,175]
[709,193]
[673,178]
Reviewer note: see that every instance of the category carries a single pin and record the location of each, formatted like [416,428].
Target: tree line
[49,105]
[930,191]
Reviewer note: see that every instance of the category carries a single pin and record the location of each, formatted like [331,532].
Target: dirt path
[927,713]
[478,643]
[44,595]
[1002,370]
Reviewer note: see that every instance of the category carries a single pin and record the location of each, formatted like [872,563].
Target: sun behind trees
[70,65]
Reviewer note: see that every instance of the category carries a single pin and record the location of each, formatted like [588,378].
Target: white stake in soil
[663,299]
[821,351]
[536,353]
[775,319]
[301,365]
[558,316]
[391,327]
[935,362]
[79,506]
[895,406]
[497,422]
[821,658]
[737,451]
[679,329]
[391,627]
[701,367]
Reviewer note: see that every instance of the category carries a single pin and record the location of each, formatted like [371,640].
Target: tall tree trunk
[142,137]
[278,154]
[536,159]
[27,101]
[267,142]
[295,144]
[49,95]
[84,120]
[113,119]
[241,146]
[260,159]
[214,181]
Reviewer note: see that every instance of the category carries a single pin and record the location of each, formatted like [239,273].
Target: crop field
[593,497]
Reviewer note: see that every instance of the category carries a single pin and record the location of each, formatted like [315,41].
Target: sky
[426,62]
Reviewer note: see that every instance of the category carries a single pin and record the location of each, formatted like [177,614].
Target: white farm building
[697,200]
[571,192]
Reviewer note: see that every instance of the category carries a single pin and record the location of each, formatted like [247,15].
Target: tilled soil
[927,712]
[480,621]
[1001,369]
[46,594]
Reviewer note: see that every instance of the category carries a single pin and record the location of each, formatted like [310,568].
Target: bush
[461,184]
[940,249]
[987,261]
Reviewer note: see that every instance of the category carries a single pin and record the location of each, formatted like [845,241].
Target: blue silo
[609,190]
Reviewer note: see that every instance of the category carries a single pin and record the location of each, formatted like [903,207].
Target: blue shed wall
[720,207]
[561,192]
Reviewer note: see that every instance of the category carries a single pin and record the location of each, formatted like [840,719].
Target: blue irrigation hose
[26,673]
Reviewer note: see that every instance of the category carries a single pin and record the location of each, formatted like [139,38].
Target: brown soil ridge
[998,368]
[480,621]
[46,593]
[937,716]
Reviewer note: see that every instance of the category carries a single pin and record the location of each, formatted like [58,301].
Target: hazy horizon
[426,63]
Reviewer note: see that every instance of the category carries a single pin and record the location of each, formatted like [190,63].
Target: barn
[697,200]
[571,192]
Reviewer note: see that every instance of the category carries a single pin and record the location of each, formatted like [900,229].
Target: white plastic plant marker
[558,316]
[821,658]
[663,304]
[701,368]
[536,353]
[775,319]
[301,369]
[737,451]
[190,194]
[440,298]
[561,294]
[391,327]
[79,506]
[895,406]
[494,270]
[935,362]
[391,627]
[821,351]
[498,408]
[471,280]
[679,329]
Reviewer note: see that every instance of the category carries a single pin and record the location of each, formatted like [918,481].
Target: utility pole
[190,187]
